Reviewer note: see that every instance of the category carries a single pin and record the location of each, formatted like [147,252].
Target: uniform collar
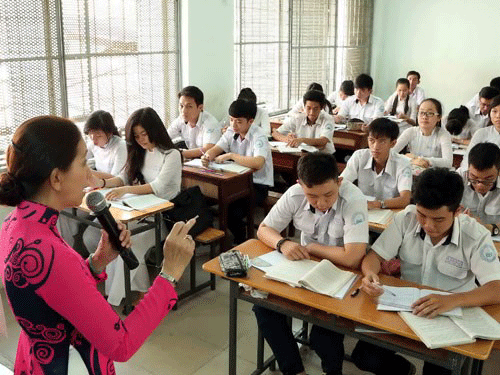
[305,123]
[451,238]
[370,164]
[369,101]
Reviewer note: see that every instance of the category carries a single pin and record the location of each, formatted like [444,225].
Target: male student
[481,198]
[416,92]
[314,127]
[379,171]
[247,145]
[262,116]
[362,105]
[438,247]
[197,128]
[478,112]
[495,82]
[332,217]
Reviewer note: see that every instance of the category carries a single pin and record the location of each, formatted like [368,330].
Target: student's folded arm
[371,263]
[214,152]
[317,142]
[487,294]
[349,255]
[268,235]
[254,162]
[102,175]
[399,202]
[446,159]
[403,140]
[138,189]
[114,182]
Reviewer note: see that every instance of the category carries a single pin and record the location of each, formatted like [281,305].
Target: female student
[401,105]
[154,166]
[460,125]
[337,98]
[428,144]
[51,289]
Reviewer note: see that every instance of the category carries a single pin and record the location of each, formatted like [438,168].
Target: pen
[356,292]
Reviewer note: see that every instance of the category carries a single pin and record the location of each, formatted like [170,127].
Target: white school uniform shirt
[298,108]
[481,120]
[436,148]
[111,158]
[474,101]
[418,95]
[206,130]
[352,108]
[486,207]
[452,265]
[400,109]
[346,222]
[262,120]
[487,134]
[323,127]
[394,178]
[335,98]
[468,130]
[255,143]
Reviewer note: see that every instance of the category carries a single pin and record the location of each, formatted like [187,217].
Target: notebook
[382,216]
[283,147]
[130,202]
[225,167]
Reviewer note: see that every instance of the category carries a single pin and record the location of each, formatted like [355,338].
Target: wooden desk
[342,315]
[225,187]
[286,163]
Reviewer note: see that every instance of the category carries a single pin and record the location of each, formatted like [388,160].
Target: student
[438,247]
[401,105]
[479,112]
[197,128]
[299,106]
[363,105]
[428,144]
[154,166]
[495,82]
[247,145]
[460,125]
[262,117]
[337,98]
[314,127]
[332,216]
[490,133]
[416,92]
[481,198]
[379,171]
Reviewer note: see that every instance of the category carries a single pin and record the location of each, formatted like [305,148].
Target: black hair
[36,149]
[438,187]
[401,81]
[347,87]
[488,92]
[101,120]
[243,108]
[248,94]
[484,156]
[316,168]
[383,127]
[495,102]
[413,73]
[457,118]
[192,92]
[363,81]
[318,97]
[315,86]
[438,106]
[157,134]
[495,82]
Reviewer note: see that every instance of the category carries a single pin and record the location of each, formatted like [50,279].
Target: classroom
[143,64]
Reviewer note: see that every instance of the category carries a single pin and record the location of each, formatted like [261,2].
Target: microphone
[98,205]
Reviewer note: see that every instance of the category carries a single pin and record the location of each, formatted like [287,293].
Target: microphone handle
[109,224]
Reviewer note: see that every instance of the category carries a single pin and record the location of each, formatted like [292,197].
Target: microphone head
[96,201]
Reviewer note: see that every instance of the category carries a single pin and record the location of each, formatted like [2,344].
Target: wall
[452,43]
[207,51]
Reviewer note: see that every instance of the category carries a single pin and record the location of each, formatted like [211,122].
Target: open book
[382,216]
[283,147]
[444,331]
[320,277]
[225,167]
[401,298]
[130,202]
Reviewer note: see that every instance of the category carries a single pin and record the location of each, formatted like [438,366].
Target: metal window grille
[72,57]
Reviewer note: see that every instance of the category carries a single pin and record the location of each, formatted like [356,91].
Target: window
[283,45]
[72,57]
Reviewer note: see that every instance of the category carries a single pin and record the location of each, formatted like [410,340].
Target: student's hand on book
[205,160]
[295,142]
[178,249]
[95,182]
[116,193]
[294,251]
[421,162]
[371,285]
[373,205]
[224,157]
[432,305]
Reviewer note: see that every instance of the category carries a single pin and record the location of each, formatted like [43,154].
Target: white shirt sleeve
[297,108]
[351,170]
[225,141]
[288,126]
[281,213]
[120,159]
[390,240]
[174,130]
[211,131]
[446,159]
[327,129]
[403,140]
[265,123]
[356,221]
[389,103]
[168,183]
[476,138]
[379,109]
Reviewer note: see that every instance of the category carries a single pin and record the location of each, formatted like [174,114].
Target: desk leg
[233,310]
[158,249]
[223,212]
[477,367]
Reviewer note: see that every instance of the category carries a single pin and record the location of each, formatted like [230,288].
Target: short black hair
[315,96]
[248,94]
[363,81]
[495,82]
[484,155]
[413,73]
[192,92]
[315,86]
[347,87]
[438,187]
[403,81]
[383,127]
[457,118]
[316,168]
[243,108]
[100,120]
[488,92]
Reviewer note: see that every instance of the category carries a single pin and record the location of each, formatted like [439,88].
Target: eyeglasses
[475,181]
[427,114]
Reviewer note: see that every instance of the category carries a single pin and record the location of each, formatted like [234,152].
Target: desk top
[207,174]
[361,309]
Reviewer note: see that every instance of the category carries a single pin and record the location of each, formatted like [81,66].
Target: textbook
[444,331]
[320,277]
[130,202]
[283,147]
[401,298]
[381,216]
[225,167]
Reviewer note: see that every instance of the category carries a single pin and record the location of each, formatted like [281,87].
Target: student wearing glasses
[481,198]
[478,111]
[428,144]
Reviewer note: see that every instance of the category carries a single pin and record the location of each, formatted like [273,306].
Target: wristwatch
[281,242]
[382,204]
[495,231]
